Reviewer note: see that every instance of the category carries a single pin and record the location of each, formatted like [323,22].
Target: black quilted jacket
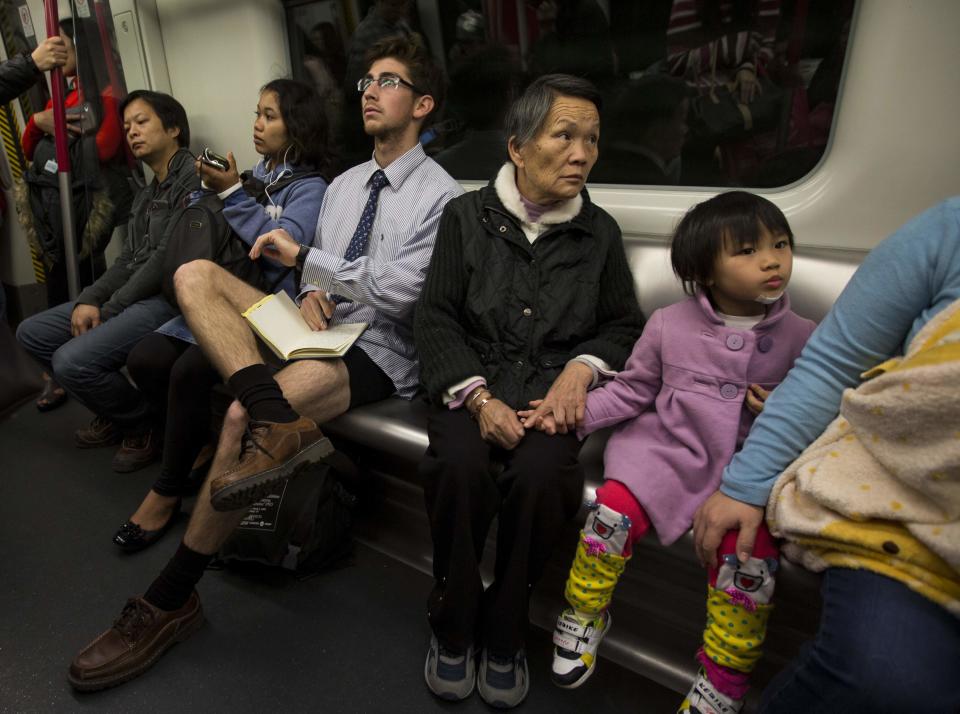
[495,305]
[17,75]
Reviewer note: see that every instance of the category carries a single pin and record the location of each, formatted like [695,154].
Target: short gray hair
[529,111]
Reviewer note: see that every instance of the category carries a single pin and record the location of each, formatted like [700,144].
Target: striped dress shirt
[383,283]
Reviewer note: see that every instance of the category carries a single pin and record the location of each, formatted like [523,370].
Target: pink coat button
[734,342]
[729,391]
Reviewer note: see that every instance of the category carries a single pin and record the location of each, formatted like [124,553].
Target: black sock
[260,395]
[172,588]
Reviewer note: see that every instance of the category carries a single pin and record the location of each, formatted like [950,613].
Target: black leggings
[178,380]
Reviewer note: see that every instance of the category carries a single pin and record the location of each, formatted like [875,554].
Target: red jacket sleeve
[32,135]
[110,133]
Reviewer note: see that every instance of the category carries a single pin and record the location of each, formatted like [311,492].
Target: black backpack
[303,527]
[202,233]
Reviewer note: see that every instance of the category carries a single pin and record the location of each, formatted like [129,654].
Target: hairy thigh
[319,389]
[199,278]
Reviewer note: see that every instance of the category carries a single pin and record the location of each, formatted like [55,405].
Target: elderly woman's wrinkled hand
[565,402]
[500,425]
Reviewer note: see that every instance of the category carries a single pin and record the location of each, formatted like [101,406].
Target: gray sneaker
[450,675]
[503,682]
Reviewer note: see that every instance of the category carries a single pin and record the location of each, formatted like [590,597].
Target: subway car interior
[850,129]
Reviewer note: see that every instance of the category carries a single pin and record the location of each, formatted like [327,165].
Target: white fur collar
[509,195]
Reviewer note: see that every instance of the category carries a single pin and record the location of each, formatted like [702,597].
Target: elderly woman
[529,296]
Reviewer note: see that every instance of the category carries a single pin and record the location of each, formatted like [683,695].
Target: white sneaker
[575,647]
[704,698]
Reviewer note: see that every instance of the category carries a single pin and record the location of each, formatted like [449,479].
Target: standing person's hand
[747,85]
[565,401]
[44,122]
[216,179]
[83,319]
[50,53]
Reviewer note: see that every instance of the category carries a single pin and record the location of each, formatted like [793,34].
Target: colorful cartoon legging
[738,594]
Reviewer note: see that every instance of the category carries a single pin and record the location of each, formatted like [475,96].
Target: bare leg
[319,389]
[211,300]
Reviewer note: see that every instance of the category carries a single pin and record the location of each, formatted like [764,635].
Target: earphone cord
[284,172]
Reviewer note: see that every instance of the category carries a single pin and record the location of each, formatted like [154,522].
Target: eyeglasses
[385,81]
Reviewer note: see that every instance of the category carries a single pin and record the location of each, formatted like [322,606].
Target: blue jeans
[88,366]
[881,647]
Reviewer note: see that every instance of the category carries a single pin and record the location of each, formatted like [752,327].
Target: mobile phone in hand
[213,159]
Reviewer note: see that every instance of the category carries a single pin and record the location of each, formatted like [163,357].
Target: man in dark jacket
[85,343]
[19,73]
[529,297]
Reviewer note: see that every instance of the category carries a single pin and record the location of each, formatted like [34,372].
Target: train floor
[351,639]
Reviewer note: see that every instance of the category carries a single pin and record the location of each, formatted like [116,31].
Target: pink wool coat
[679,403]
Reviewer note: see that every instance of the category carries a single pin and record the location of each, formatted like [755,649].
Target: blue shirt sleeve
[902,283]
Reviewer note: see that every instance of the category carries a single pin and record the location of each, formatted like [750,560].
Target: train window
[696,92]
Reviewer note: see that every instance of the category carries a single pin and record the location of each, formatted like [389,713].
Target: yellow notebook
[279,323]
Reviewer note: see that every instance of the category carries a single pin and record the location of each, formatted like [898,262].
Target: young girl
[684,403]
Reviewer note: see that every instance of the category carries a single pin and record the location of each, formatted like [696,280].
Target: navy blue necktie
[361,236]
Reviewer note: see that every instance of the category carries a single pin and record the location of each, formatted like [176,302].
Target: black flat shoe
[52,396]
[131,538]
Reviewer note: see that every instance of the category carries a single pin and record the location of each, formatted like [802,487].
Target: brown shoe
[135,452]
[101,432]
[136,641]
[270,453]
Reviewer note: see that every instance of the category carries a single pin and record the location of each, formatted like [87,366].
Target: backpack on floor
[303,527]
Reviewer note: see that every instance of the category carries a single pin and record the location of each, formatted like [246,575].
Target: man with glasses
[373,243]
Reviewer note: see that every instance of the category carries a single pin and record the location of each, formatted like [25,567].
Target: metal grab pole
[52,19]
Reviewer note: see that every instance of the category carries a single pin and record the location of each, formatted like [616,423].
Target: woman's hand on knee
[720,514]
[500,425]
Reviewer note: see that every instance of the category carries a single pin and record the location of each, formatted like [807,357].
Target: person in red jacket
[109,135]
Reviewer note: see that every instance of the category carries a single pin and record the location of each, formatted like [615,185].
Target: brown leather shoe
[136,641]
[270,453]
[135,452]
[101,432]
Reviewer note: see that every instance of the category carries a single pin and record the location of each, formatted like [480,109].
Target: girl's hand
[546,424]
[756,396]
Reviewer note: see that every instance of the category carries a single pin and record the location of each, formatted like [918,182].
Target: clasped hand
[562,410]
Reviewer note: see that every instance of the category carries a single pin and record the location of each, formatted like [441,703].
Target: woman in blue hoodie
[284,190]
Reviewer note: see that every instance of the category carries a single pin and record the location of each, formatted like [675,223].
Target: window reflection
[696,92]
